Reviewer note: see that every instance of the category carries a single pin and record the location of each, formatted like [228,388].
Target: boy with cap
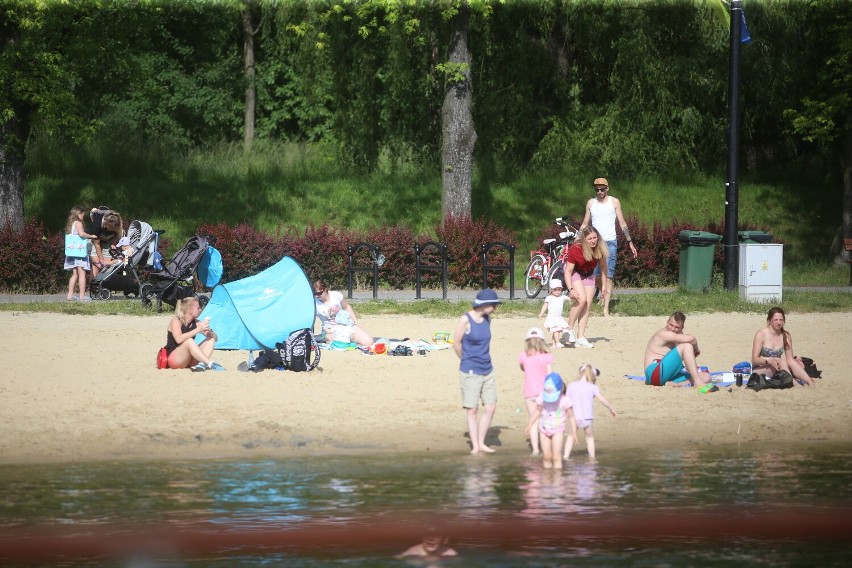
[472,344]
[553,410]
[602,211]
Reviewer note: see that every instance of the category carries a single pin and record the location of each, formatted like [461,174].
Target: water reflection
[271,495]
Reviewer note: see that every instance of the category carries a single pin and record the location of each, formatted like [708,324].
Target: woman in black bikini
[180,339]
[772,350]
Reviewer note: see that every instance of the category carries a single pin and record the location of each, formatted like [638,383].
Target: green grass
[651,304]
[290,185]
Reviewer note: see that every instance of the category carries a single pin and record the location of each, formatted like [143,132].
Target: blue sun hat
[552,387]
[486,297]
[343,318]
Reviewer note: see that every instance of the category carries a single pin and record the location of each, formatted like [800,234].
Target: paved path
[452,295]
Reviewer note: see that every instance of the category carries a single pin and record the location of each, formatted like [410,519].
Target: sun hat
[343,318]
[487,297]
[534,332]
[552,387]
[555,283]
[600,181]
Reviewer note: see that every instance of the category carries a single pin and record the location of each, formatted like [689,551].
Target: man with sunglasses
[602,212]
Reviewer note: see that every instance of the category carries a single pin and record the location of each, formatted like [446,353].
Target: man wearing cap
[669,351]
[603,211]
[472,343]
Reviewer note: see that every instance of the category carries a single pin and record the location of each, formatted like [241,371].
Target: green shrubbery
[33,257]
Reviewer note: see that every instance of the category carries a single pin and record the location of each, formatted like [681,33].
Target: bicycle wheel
[556,271]
[533,276]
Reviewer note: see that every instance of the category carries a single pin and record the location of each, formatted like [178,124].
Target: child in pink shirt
[536,362]
[583,393]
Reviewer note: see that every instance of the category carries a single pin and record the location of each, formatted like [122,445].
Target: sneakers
[571,337]
[201,367]
[583,342]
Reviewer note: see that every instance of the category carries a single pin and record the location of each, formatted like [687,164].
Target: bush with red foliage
[32,260]
[245,250]
[465,238]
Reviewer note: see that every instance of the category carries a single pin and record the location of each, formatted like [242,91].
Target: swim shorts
[670,368]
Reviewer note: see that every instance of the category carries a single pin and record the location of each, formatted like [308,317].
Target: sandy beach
[80,388]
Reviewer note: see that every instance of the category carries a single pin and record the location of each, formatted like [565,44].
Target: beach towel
[718,378]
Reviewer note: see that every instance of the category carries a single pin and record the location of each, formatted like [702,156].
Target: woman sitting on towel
[772,350]
[329,305]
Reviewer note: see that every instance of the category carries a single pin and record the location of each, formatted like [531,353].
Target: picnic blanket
[718,378]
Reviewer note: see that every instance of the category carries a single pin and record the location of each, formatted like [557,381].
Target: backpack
[810,367]
[297,351]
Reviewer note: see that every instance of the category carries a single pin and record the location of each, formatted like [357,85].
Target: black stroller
[134,251]
[177,280]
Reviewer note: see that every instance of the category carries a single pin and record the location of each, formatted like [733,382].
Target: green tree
[824,115]
[43,48]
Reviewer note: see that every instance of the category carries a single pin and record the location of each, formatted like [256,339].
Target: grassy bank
[652,304]
[293,185]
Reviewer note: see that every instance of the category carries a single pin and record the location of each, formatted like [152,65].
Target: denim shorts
[610,261]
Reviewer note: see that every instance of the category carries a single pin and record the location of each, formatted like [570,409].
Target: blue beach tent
[261,310]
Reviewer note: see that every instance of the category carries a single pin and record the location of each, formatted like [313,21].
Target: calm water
[236,498]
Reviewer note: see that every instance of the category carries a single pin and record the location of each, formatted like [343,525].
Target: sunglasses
[320,293]
[601,188]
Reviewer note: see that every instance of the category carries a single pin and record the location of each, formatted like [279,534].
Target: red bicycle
[546,261]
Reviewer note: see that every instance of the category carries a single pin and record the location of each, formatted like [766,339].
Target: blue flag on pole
[745,37]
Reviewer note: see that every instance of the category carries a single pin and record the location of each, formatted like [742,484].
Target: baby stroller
[134,250]
[177,280]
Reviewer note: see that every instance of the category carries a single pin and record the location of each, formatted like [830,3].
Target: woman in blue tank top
[472,342]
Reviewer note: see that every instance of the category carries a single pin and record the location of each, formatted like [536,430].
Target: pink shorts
[587,281]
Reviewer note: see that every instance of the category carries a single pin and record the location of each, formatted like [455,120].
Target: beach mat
[719,378]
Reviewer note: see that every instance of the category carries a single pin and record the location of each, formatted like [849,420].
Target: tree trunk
[248,52]
[458,132]
[13,140]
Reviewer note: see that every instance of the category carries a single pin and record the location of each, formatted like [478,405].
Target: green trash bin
[754,237]
[696,258]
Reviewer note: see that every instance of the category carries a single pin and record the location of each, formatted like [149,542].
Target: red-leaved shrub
[32,260]
[465,238]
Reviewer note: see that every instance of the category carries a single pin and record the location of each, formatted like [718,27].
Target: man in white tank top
[602,212]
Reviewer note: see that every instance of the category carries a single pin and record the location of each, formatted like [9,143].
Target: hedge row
[33,258]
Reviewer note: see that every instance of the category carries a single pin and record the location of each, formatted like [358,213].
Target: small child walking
[583,393]
[554,305]
[536,362]
[78,266]
[553,410]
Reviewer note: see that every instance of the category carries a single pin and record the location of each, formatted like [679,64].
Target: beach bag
[780,380]
[756,382]
[811,368]
[299,351]
[162,358]
[76,246]
[267,359]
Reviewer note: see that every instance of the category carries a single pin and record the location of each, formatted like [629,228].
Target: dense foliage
[34,256]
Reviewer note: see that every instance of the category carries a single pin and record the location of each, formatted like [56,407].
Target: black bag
[810,367]
[780,380]
[267,359]
[300,351]
[756,382]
